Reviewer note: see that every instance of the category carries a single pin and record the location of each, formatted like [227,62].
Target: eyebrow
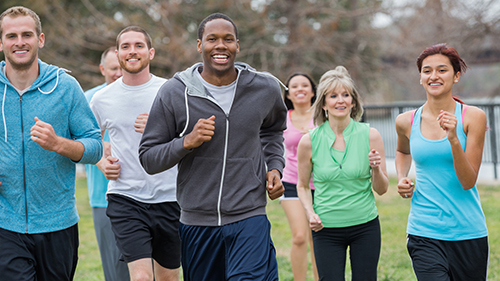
[441,65]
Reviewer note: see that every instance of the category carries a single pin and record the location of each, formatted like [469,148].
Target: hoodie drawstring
[57,81]
[3,112]
[187,113]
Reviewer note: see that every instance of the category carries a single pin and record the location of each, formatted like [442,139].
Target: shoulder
[474,118]
[305,141]
[403,121]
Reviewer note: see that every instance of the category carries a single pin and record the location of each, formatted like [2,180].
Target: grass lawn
[394,262]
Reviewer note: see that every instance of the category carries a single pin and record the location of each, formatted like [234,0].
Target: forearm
[465,172]
[403,164]
[380,181]
[161,157]
[305,197]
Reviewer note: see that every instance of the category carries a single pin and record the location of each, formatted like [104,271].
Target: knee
[141,276]
[299,239]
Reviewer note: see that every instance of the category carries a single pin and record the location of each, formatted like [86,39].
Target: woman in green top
[346,159]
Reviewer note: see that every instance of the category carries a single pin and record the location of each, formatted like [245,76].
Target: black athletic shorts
[438,260]
[42,256]
[146,230]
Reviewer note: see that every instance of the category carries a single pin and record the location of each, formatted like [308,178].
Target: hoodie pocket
[198,188]
[244,189]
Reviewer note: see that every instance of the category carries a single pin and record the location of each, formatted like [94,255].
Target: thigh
[130,226]
[428,258]
[330,248]
[202,253]
[56,254]
[165,232]
[297,220]
[17,261]
[250,251]
[364,250]
[468,259]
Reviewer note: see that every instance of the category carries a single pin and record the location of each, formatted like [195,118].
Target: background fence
[383,118]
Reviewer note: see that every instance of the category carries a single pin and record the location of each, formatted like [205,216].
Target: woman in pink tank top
[298,98]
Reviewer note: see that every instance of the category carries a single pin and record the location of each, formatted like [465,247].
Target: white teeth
[220,57]
[20,52]
[435,84]
[133,59]
[301,95]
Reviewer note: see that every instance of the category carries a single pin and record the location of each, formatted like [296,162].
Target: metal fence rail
[383,118]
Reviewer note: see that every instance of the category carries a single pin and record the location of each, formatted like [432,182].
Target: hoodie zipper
[219,216]
[24,166]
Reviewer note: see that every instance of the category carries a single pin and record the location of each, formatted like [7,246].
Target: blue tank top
[440,208]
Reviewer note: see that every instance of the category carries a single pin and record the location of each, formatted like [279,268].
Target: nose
[220,43]
[433,75]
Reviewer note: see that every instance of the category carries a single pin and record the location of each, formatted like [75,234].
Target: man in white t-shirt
[142,208]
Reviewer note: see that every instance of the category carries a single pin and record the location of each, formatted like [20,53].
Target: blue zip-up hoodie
[37,194]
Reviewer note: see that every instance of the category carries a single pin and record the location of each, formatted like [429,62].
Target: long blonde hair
[330,81]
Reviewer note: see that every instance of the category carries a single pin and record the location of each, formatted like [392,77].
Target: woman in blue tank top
[447,234]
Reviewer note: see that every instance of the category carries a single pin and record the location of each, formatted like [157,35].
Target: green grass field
[394,262]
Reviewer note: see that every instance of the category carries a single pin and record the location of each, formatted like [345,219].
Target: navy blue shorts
[146,230]
[438,260]
[239,251]
[291,192]
[43,256]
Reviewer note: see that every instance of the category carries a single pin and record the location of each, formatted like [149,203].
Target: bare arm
[44,135]
[403,156]
[468,162]
[304,167]
[380,180]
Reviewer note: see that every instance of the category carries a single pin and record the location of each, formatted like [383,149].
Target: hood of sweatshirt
[46,83]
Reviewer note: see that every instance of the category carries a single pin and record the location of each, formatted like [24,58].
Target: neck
[221,79]
[136,79]
[338,125]
[302,109]
[22,78]
[435,105]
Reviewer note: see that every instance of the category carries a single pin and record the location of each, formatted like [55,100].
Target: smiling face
[218,47]
[19,42]
[133,53]
[300,90]
[338,103]
[437,75]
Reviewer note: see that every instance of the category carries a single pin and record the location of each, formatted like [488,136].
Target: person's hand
[140,122]
[315,223]
[111,169]
[202,132]
[274,186]
[44,135]
[448,122]
[374,158]
[406,187]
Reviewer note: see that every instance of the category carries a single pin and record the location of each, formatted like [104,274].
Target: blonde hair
[18,11]
[329,82]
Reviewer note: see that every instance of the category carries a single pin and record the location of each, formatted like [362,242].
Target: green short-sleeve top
[343,195]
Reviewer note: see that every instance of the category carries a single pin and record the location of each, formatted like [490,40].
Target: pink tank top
[292,137]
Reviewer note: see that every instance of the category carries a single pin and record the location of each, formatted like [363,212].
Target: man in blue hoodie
[46,127]
[223,123]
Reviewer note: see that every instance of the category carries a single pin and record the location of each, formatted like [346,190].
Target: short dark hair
[136,29]
[212,17]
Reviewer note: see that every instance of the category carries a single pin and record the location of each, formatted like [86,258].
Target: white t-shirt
[116,108]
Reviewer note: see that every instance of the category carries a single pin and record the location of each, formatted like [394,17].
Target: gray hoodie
[223,180]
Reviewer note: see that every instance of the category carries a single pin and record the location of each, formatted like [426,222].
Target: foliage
[278,36]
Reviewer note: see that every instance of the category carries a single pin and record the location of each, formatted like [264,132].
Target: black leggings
[330,246]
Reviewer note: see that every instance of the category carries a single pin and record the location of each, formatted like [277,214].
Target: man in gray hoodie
[222,122]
